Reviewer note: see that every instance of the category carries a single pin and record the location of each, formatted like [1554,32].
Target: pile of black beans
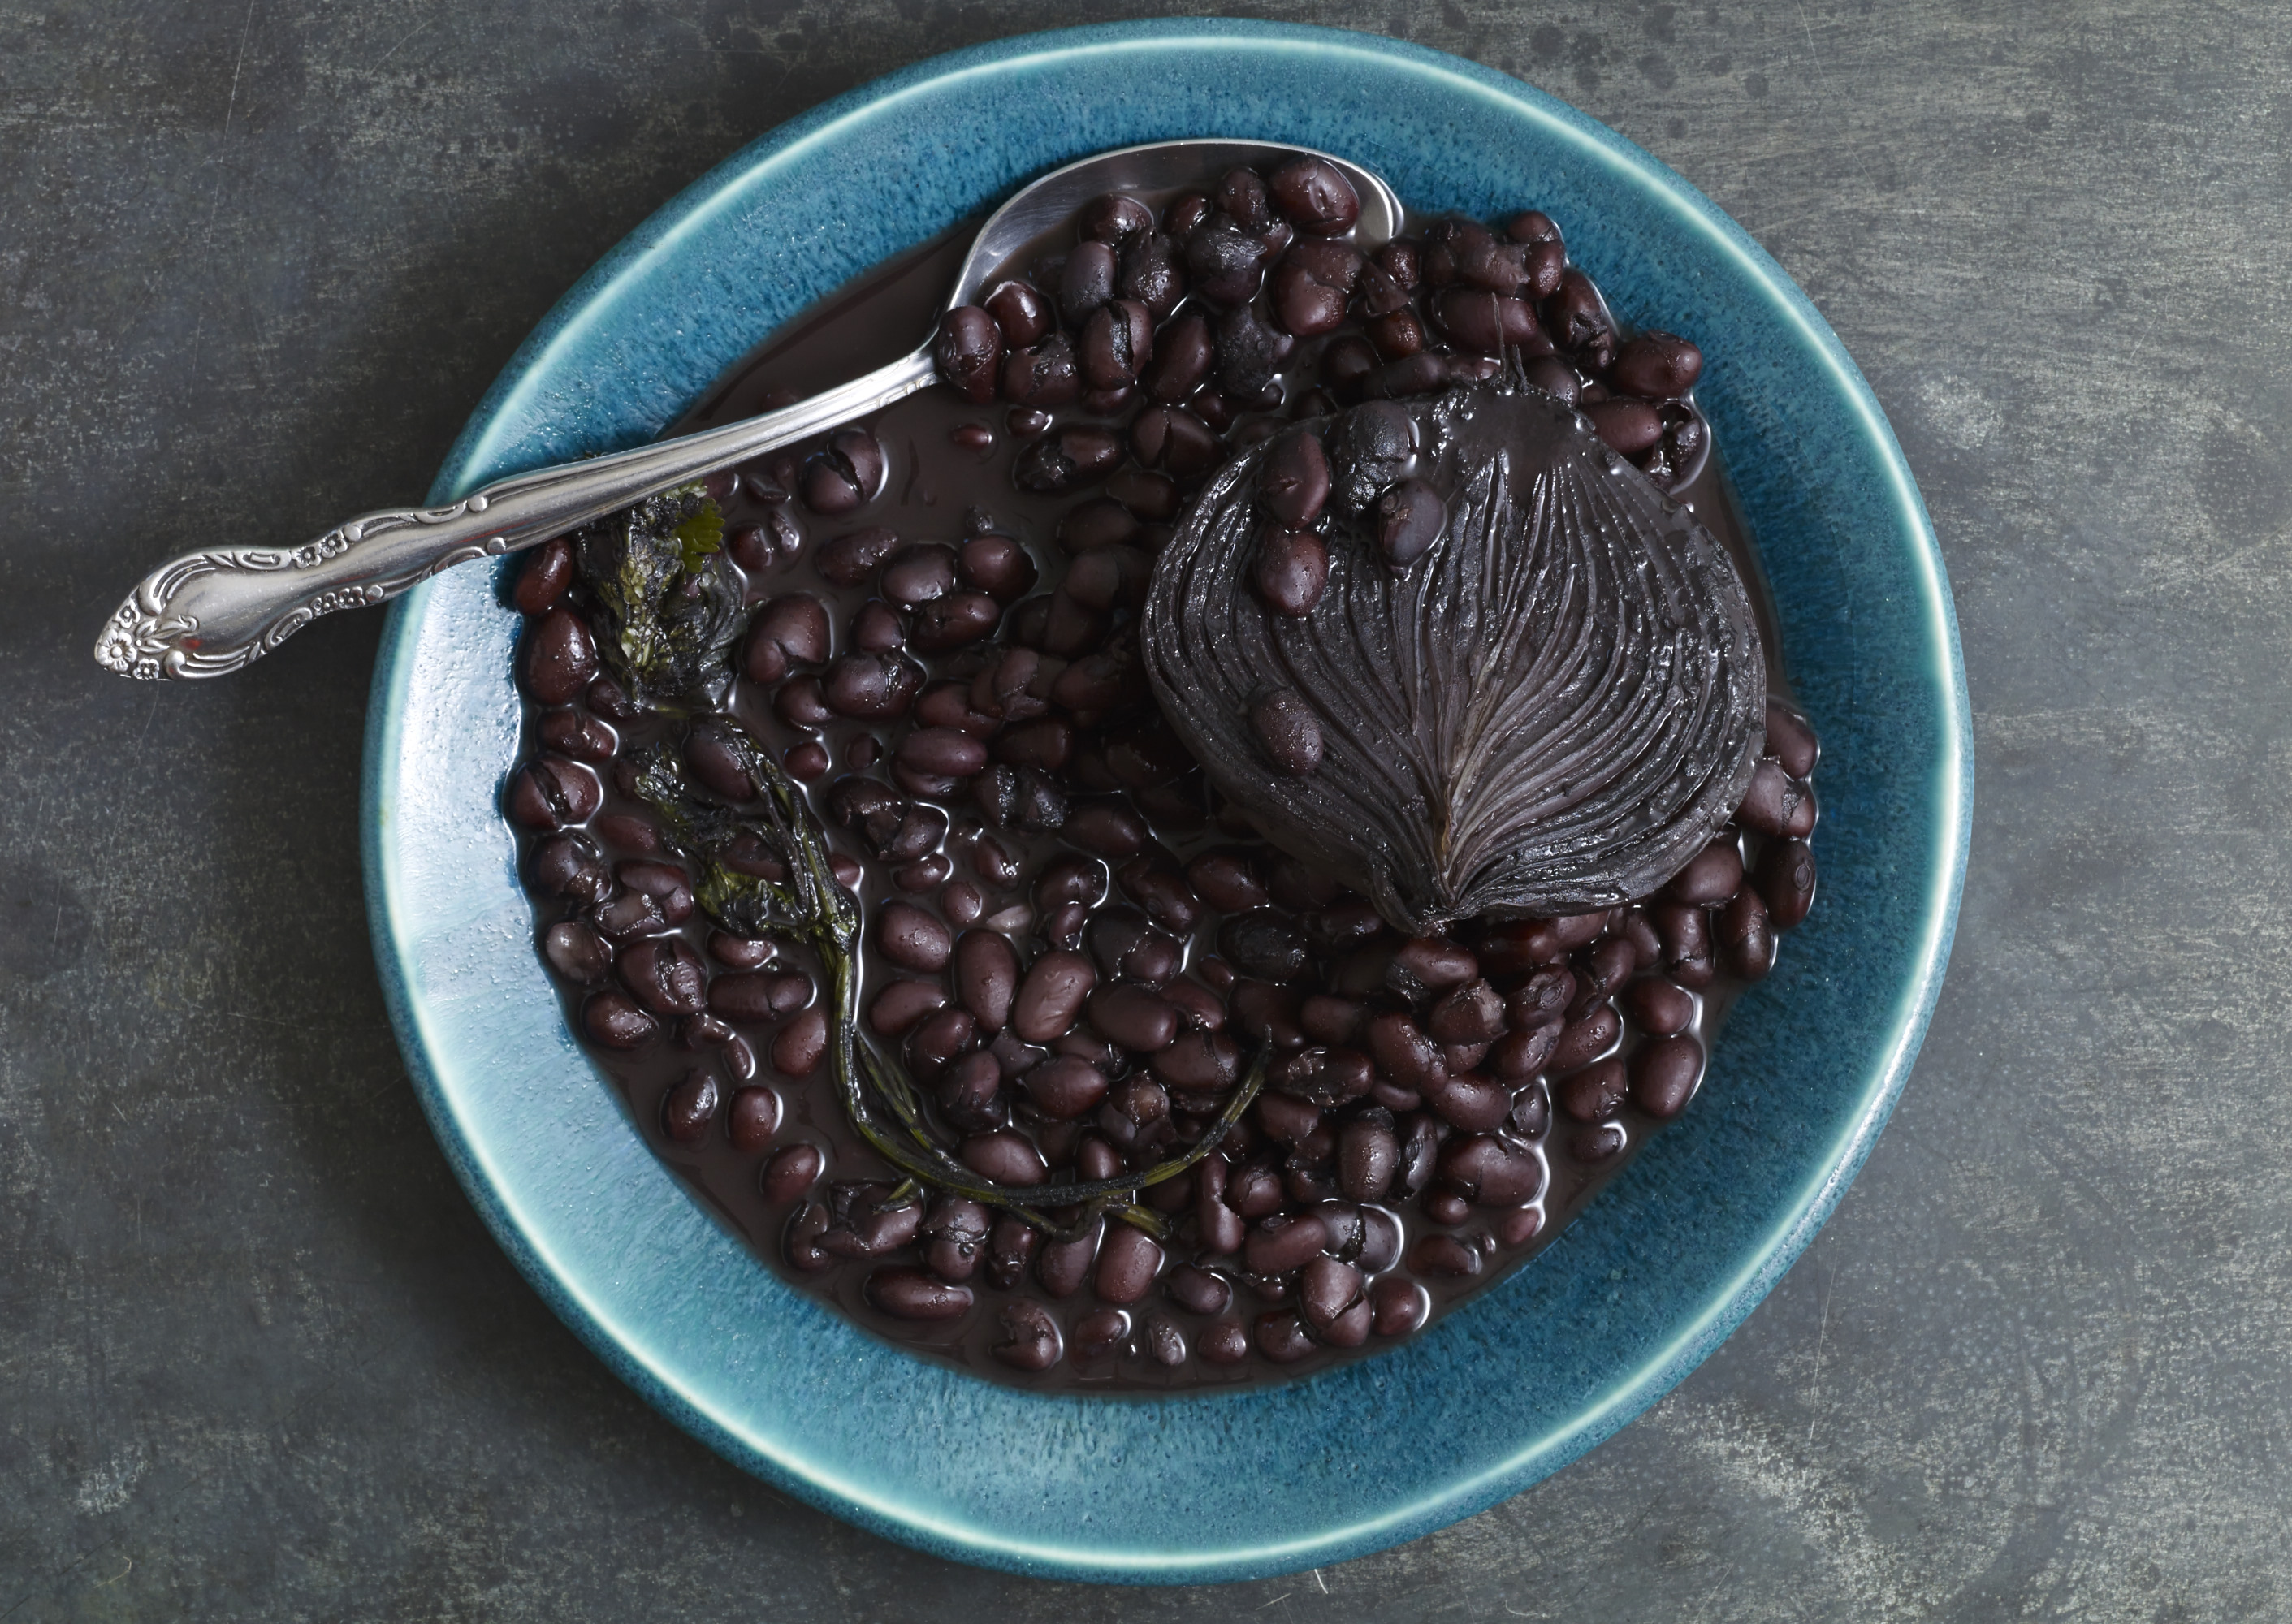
[1073,946]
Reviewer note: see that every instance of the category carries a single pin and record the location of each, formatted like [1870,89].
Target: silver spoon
[210,613]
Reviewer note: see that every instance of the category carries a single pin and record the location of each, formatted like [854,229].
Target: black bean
[969,352]
[1152,273]
[1127,1263]
[1443,1257]
[1587,1038]
[1199,1062]
[1293,482]
[1286,730]
[560,657]
[552,791]
[1659,1008]
[1401,1305]
[1790,741]
[1596,1093]
[791,1172]
[1776,803]
[1052,996]
[615,1020]
[918,575]
[1473,1013]
[848,560]
[577,951]
[799,703]
[1078,454]
[1323,1075]
[1598,1142]
[1659,365]
[1031,1338]
[1183,354]
[1117,344]
[666,975]
[568,865]
[1578,321]
[1629,427]
[1065,1087]
[1197,1289]
[912,938]
[971,1091]
[798,1047]
[1086,282]
[996,566]
[689,1108]
[1043,375]
[568,732]
[1687,951]
[1006,1157]
[1135,1017]
[1264,941]
[547,573]
[1401,1048]
[1105,829]
[1604,970]
[1747,936]
[1023,314]
[912,1294]
[955,621]
[1224,263]
[874,685]
[1281,1244]
[898,1006]
[1665,1072]
[1062,1266]
[1785,882]
[1369,1152]
[1314,195]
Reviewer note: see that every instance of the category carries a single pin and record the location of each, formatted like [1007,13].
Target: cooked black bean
[552,791]
[1063,1265]
[560,657]
[1249,352]
[969,352]
[1687,952]
[1578,322]
[1135,1018]
[898,1007]
[1022,313]
[690,1109]
[1044,375]
[1127,1263]
[1586,1038]
[1004,1156]
[1224,263]
[1293,480]
[791,1172]
[1279,1245]
[615,1020]
[1659,366]
[1711,876]
[577,951]
[753,1119]
[1286,730]
[1031,1341]
[574,733]
[1117,342]
[1601,1142]
[1473,1013]
[1065,1087]
[1659,1008]
[1785,882]
[912,1294]
[666,975]
[912,938]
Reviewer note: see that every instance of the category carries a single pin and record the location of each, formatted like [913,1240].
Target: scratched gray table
[259,1359]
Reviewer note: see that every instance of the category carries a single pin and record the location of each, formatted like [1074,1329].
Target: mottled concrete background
[258,259]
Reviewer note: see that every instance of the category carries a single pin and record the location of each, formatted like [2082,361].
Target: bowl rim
[486,448]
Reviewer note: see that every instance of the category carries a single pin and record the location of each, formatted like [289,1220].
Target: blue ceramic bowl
[1524,1379]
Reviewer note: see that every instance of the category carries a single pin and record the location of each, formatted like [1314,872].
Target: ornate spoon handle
[207,614]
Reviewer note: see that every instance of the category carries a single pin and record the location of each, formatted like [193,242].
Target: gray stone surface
[258,1358]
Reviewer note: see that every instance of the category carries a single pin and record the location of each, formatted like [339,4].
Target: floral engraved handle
[207,614]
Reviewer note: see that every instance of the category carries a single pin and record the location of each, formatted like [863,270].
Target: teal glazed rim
[1224,1485]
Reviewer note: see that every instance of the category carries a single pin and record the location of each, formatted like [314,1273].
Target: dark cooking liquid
[936,489]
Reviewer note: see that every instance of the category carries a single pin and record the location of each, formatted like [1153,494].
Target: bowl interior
[1526,1377]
